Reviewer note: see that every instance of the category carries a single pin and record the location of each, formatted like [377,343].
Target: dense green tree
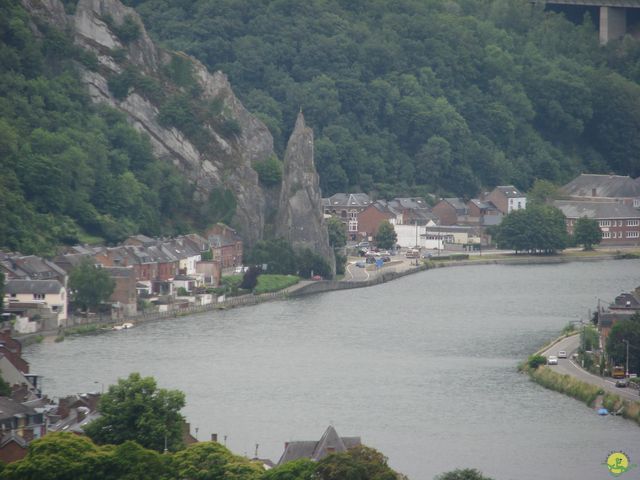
[269,171]
[360,463]
[538,229]
[387,236]
[302,469]
[212,461]
[337,233]
[587,232]
[542,192]
[629,330]
[462,474]
[89,285]
[135,409]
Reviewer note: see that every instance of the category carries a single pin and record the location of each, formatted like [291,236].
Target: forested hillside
[71,170]
[422,95]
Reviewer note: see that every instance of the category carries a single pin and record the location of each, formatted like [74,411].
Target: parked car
[552,360]
[371,259]
[316,277]
[363,245]
[622,383]
[386,258]
[562,354]
[360,264]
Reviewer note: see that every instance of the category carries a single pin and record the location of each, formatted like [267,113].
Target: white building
[48,293]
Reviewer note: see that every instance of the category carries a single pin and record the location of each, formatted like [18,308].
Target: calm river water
[422,368]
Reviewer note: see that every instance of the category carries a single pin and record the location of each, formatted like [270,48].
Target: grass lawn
[273,283]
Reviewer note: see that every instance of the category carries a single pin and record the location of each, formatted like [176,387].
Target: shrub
[269,171]
[535,361]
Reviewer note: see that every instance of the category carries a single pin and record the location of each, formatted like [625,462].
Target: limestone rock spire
[300,218]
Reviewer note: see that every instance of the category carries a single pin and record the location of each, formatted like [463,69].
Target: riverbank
[303,288]
[591,394]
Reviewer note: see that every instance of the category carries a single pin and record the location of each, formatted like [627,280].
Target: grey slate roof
[596,210]
[33,286]
[9,408]
[330,442]
[458,204]
[612,186]
[347,200]
[509,191]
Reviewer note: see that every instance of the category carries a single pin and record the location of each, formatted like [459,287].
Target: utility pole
[626,370]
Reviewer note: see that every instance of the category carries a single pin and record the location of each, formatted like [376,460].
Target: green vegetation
[135,409]
[5,388]
[281,258]
[629,330]
[566,384]
[81,330]
[464,474]
[274,283]
[89,285]
[69,168]
[422,95]
[269,171]
[536,361]
[387,236]
[538,229]
[587,233]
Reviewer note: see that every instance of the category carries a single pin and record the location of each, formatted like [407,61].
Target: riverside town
[319,240]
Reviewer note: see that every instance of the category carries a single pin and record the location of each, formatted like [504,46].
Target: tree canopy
[89,285]
[538,229]
[71,171]
[387,236]
[629,330]
[412,96]
[135,409]
[587,233]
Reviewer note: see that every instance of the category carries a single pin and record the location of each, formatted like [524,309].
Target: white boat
[124,326]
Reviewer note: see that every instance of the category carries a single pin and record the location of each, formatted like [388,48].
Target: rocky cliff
[300,218]
[193,119]
[219,161]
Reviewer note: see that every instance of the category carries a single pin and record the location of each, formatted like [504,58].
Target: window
[636,202]
[619,223]
[634,234]
[605,223]
[619,234]
[633,223]
[353,226]
[606,234]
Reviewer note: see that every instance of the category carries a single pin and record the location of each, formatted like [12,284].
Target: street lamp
[626,370]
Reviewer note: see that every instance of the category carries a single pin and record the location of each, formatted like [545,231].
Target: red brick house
[372,216]
[226,245]
[451,211]
[619,223]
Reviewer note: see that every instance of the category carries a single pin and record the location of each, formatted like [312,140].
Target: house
[619,222]
[124,299]
[346,207]
[591,187]
[483,213]
[412,210]
[226,245]
[46,293]
[451,211]
[507,198]
[329,443]
[30,267]
[453,235]
[372,216]
[19,425]
[14,369]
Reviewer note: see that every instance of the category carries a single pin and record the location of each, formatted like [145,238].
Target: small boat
[124,326]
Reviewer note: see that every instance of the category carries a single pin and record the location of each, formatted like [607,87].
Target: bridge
[613,14]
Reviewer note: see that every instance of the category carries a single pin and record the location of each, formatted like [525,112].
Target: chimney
[214,437]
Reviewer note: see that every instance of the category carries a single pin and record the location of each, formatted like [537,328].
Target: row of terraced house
[612,200]
[36,296]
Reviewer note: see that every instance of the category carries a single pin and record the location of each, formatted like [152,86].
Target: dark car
[622,383]
[371,260]
[360,264]
[386,258]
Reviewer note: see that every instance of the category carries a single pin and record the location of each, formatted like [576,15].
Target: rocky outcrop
[225,163]
[300,219]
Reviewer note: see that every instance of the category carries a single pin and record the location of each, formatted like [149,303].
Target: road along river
[422,368]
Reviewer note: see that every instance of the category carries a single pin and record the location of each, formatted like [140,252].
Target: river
[422,368]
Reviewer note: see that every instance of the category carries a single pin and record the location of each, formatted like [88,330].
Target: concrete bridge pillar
[613,23]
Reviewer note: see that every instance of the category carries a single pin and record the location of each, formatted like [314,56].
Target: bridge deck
[601,3]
